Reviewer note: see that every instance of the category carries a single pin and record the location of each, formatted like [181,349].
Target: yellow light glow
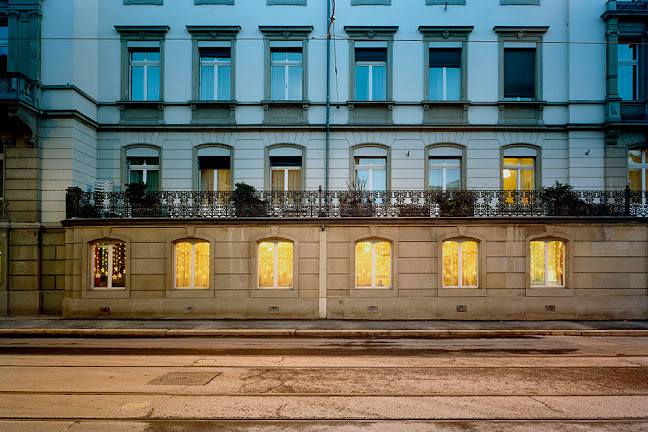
[285,264]
[383,264]
[266,265]
[507,173]
[469,263]
[275,265]
[201,269]
[363,264]
[450,264]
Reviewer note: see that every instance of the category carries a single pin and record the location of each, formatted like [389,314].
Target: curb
[312,333]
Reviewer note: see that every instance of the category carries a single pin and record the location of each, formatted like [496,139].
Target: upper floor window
[215,174]
[519,73]
[286,71]
[638,169]
[548,263]
[445,173]
[518,173]
[144,170]
[109,264]
[275,260]
[371,172]
[371,74]
[191,264]
[460,263]
[373,264]
[628,80]
[445,74]
[215,73]
[145,74]
[286,173]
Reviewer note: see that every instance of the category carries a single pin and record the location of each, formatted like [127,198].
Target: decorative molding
[446,32]
[213,32]
[129,32]
[370,33]
[286,32]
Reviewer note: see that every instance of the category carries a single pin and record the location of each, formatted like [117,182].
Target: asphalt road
[555,383]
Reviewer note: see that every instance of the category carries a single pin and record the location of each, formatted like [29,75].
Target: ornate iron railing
[341,203]
[632,5]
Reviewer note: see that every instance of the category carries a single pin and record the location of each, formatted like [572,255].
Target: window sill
[371,112]
[190,293]
[373,292]
[549,292]
[461,292]
[521,112]
[273,292]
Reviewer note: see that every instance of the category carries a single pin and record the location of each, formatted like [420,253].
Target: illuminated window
[460,263]
[275,264]
[373,264]
[215,173]
[548,263]
[286,173]
[637,170]
[109,264]
[518,173]
[192,264]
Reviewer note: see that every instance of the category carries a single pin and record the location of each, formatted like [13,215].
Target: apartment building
[404,158]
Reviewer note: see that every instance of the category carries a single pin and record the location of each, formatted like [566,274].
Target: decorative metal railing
[632,5]
[15,86]
[344,203]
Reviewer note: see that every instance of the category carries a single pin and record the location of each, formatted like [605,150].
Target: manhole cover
[184,378]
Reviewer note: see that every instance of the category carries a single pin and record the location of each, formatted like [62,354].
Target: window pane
[453,84]
[224,83]
[207,180]
[371,54]
[436,179]
[379,180]
[153,89]
[285,264]
[136,176]
[362,83]
[224,181]
[519,75]
[294,180]
[383,264]
[278,83]
[266,265]
[152,180]
[137,83]
[201,279]
[634,156]
[537,262]
[436,83]
[555,252]
[207,83]
[627,82]
[510,161]
[119,265]
[294,82]
[183,265]
[453,179]
[627,52]
[294,56]
[153,56]
[510,179]
[379,83]
[278,180]
[278,56]
[363,264]
[138,55]
[526,179]
[450,264]
[526,161]
[469,263]
[100,252]
[362,177]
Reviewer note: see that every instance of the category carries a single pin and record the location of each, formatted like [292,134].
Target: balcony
[628,5]
[355,204]
[16,87]
[633,110]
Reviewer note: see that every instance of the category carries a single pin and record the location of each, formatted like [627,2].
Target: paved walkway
[60,327]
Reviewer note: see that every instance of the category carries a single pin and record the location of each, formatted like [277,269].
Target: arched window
[143,166]
[275,263]
[286,163]
[547,263]
[108,264]
[461,263]
[373,264]
[191,269]
[638,169]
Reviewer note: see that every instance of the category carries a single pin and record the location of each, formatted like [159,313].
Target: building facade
[404,154]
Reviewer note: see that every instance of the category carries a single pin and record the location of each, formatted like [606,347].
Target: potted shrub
[561,200]
[455,203]
[355,201]
[142,202]
[247,202]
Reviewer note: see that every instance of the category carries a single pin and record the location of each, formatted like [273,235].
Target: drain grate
[184,378]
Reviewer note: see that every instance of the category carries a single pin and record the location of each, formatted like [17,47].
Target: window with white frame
[275,260]
[371,172]
[445,74]
[548,263]
[638,171]
[444,173]
[108,264]
[286,173]
[460,264]
[215,173]
[144,170]
[370,74]
[215,73]
[191,264]
[519,74]
[373,264]
[518,173]
[628,76]
[286,73]
[144,68]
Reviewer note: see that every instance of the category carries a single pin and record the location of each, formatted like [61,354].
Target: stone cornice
[371,32]
[446,32]
[286,32]
[213,32]
[142,32]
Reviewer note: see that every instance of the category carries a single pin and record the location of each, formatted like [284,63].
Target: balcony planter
[455,204]
[142,202]
[247,203]
[413,210]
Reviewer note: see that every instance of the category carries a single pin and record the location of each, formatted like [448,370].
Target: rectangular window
[373,264]
[275,264]
[144,170]
[518,174]
[286,173]
[444,174]
[371,172]
[445,74]
[215,173]
[371,74]
[628,81]
[519,74]
[215,73]
[109,265]
[192,265]
[547,263]
[145,74]
[460,264]
[286,73]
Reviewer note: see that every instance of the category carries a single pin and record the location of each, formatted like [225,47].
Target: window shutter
[218,52]
[519,72]
[371,54]
[214,162]
[444,57]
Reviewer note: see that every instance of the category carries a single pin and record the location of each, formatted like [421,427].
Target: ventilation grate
[184,378]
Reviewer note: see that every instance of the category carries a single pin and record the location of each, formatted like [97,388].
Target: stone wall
[606,271]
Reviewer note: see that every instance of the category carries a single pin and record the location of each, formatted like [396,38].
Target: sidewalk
[60,327]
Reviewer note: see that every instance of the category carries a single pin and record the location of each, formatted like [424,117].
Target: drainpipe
[328,94]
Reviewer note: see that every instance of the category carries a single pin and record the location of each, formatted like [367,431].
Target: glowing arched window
[275,264]
[460,263]
[192,264]
[109,264]
[547,263]
[373,264]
